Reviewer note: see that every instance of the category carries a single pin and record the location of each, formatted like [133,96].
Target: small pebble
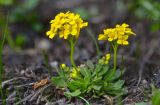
[44,44]
[54,64]
[144,81]
[22,72]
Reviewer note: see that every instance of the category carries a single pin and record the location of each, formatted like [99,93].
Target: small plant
[117,36]
[154,99]
[90,79]
[67,26]
[20,40]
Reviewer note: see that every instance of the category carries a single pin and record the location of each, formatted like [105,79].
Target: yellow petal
[63,65]
[85,24]
[74,32]
[108,56]
[119,41]
[117,25]
[125,42]
[125,37]
[101,37]
[110,39]
[125,25]
[48,33]
[72,22]
[51,36]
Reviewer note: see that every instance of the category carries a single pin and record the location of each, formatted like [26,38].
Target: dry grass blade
[33,96]
[39,91]
[13,79]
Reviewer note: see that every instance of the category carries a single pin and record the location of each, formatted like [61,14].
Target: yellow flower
[123,32]
[74,72]
[105,59]
[109,34]
[122,40]
[119,34]
[66,25]
[102,37]
[108,56]
[112,34]
[124,29]
[63,66]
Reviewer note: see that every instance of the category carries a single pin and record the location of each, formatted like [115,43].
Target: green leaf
[156,98]
[118,93]
[114,86]
[74,85]
[6,2]
[103,71]
[96,87]
[61,73]
[77,84]
[110,75]
[118,84]
[97,79]
[118,74]
[81,84]
[58,81]
[90,64]
[141,103]
[98,68]
[72,94]
[155,26]
[85,72]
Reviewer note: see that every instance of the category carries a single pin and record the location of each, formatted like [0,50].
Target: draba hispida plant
[89,79]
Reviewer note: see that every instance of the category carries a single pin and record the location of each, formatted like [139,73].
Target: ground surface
[25,67]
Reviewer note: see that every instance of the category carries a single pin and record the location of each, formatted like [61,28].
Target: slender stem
[72,45]
[122,71]
[84,100]
[92,35]
[46,60]
[1,62]
[115,55]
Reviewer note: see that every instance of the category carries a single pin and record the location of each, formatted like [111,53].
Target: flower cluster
[73,72]
[118,34]
[105,59]
[65,25]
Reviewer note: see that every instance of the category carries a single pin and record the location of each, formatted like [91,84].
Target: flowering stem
[72,45]
[115,55]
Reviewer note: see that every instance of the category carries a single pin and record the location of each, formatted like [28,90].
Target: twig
[13,79]
[32,96]
[25,99]
[39,91]
[28,84]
